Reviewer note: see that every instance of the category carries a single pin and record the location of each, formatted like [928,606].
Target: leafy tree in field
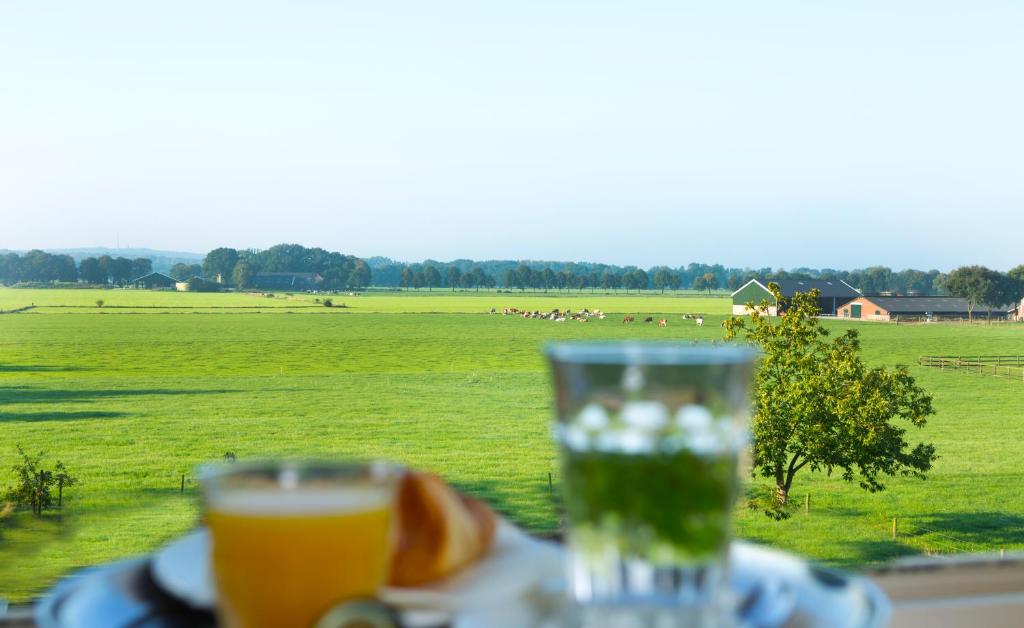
[182,272]
[710,282]
[662,279]
[480,278]
[419,280]
[817,405]
[547,279]
[610,281]
[876,279]
[241,275]
[360,276]
[640,279]
[431,277]
[1015,280]
[34,484]
[221,262]
[466,281]
[141,266]
[508,280]
[120,270]
[524,276]
[452,277]
[975,284]
[629,281]
[699,283]
[406,278]
[89,270]
[675,281]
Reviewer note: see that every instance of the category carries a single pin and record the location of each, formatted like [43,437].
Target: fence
[1005,366]
[905,532]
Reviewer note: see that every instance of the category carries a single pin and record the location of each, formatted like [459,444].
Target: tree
[90,271]
[524,276]
[406,278]
[974,284]
[360,276]
[628,281]
[34,484]
[817,405]
[875,280]
[431,277]
[640,279]
[710,282]
[452,277]
[480,279]
[675,281]
[419,279]
[241,275]
[662,279]
[221,262]
[141,266]
[547,278]
[182,271]
[699,283]
[1015,281]
[120,270]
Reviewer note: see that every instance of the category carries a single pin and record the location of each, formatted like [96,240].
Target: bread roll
[439,530]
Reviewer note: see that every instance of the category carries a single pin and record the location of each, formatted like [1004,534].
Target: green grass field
[131,402]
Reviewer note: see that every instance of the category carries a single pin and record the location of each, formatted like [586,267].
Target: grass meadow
[133,395]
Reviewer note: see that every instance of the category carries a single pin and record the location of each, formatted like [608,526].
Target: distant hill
[162,260]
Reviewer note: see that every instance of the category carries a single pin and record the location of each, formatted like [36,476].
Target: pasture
[132,397]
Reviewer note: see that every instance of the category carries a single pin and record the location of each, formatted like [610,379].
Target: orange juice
[285,558]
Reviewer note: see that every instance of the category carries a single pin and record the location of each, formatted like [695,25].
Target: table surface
[972,591]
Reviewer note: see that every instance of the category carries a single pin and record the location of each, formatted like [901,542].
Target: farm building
[154,280]
[286,281]
[833,293]
[926,308]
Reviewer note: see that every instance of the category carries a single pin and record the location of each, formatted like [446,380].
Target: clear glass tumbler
[291,540]
[650,436]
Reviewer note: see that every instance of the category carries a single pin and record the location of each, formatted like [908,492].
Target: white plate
[515,578]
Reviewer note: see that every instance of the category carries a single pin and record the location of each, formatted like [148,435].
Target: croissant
[439,530]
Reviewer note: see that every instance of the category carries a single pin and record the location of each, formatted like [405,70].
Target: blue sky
[762,134]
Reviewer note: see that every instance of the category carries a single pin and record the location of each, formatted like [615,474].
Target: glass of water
[650,436]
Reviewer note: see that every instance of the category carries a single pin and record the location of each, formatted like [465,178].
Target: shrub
[328,303]
[99,302]
[34,486]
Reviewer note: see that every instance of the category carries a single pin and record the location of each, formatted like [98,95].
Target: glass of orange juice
[293,540]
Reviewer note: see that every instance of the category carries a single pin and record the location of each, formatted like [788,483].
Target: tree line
[986,288]
[979,285]
[41,267]
[539,275]
[238,267]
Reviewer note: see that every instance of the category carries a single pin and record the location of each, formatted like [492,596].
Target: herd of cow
[584,315]
[557,315]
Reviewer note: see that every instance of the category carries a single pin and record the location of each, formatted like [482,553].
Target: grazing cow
[493,311]
[700,321]
[628,319]
[649,319]
[663,322]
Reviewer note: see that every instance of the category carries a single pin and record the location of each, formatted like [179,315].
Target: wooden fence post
[894,528]
[807,503]
[551,485]
[182,483]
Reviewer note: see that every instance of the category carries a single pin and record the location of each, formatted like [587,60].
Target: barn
[915,308]
[154,280]
[832,294]
[286,281]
